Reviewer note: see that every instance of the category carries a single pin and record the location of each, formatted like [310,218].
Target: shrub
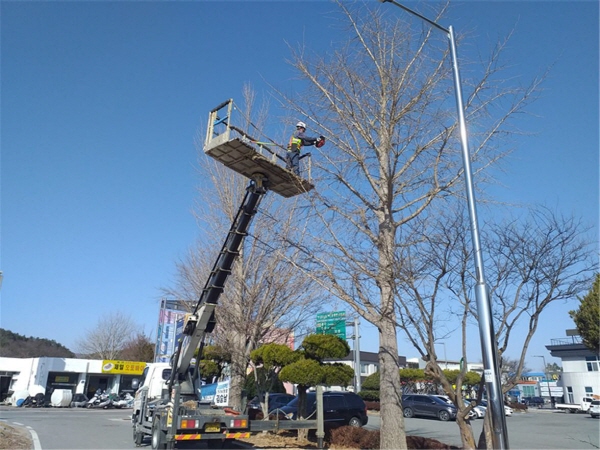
[369,439]
[369,395]
[518,406]
[373,406]
[418,442]
[371,383]
[355,437]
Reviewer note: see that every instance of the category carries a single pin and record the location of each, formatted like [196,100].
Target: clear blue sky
[101,101]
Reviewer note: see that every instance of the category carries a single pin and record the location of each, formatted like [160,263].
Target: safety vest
[295,144]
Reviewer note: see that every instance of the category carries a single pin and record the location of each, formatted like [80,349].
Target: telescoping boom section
[202,321]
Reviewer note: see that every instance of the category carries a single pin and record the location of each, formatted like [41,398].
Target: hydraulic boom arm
[202,320]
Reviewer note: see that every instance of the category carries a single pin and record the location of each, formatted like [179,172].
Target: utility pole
[445,357]
[356,355]
[489,347]
[545,375]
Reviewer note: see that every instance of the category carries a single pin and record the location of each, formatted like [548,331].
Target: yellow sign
[123,367]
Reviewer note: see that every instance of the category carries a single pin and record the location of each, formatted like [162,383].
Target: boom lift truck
[167,405]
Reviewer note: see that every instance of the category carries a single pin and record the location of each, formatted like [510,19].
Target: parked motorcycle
[124,400]
[36,401]
[100,400]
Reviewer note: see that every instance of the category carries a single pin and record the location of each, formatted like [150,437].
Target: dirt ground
[284,440]
[14,438]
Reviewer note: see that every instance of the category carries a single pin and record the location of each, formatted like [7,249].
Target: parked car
[507,409]
[428,406]
[533,401]
[339,408]
[473,414]
[276,400]
[478,410]
[595,408]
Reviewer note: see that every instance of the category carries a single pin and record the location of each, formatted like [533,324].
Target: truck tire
[138,438]
[159,437]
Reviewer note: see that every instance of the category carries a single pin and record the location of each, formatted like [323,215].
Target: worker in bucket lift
[297,140]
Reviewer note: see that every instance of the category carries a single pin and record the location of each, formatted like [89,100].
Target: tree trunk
[239,363]
[485,438]
[393,435]
[466,434]
[301,411]
[236,387]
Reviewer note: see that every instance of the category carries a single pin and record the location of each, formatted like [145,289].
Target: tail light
[238,423]
[190,423]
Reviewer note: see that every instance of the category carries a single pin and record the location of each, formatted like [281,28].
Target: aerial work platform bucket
[249,157]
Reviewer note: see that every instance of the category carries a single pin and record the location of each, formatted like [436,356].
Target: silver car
[595,408]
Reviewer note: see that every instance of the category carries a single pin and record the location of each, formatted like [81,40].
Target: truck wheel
[159,438]
[138,438]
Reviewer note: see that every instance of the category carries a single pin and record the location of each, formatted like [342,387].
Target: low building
[580,367]
[449,365]
[81,376]
[537,384]
[369,363]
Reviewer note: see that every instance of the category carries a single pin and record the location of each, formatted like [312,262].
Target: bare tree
[266,298]
[139,348]
[532,262]
[383,99]
[108,338]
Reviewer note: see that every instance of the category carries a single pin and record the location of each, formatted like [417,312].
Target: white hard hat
[301,124]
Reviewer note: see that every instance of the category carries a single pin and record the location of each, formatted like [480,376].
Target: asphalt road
[74,428]
[536,429]
[111,429]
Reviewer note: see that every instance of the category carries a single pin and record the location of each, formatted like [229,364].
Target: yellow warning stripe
[237,435]
[187,437]
[194,437]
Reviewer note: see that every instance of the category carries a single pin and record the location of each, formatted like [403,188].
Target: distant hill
[14,345]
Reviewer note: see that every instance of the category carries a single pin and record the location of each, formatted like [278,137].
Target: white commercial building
[80,376]
[580,375]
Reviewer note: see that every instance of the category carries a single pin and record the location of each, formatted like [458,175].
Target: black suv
[533,401]
[339,408]
[427,405]
[276,400]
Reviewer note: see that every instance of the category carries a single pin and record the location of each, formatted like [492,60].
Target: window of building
[570,394]
[528,391]
[589,391]
[364,369]
[592,363]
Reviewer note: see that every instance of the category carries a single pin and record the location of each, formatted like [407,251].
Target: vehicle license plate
[212,428]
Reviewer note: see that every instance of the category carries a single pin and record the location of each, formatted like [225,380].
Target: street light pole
[445,357]
[545,375]
[486,325]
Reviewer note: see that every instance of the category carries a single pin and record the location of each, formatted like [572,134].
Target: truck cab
[151,384]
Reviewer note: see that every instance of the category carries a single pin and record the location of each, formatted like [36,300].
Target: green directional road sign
[332,323]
